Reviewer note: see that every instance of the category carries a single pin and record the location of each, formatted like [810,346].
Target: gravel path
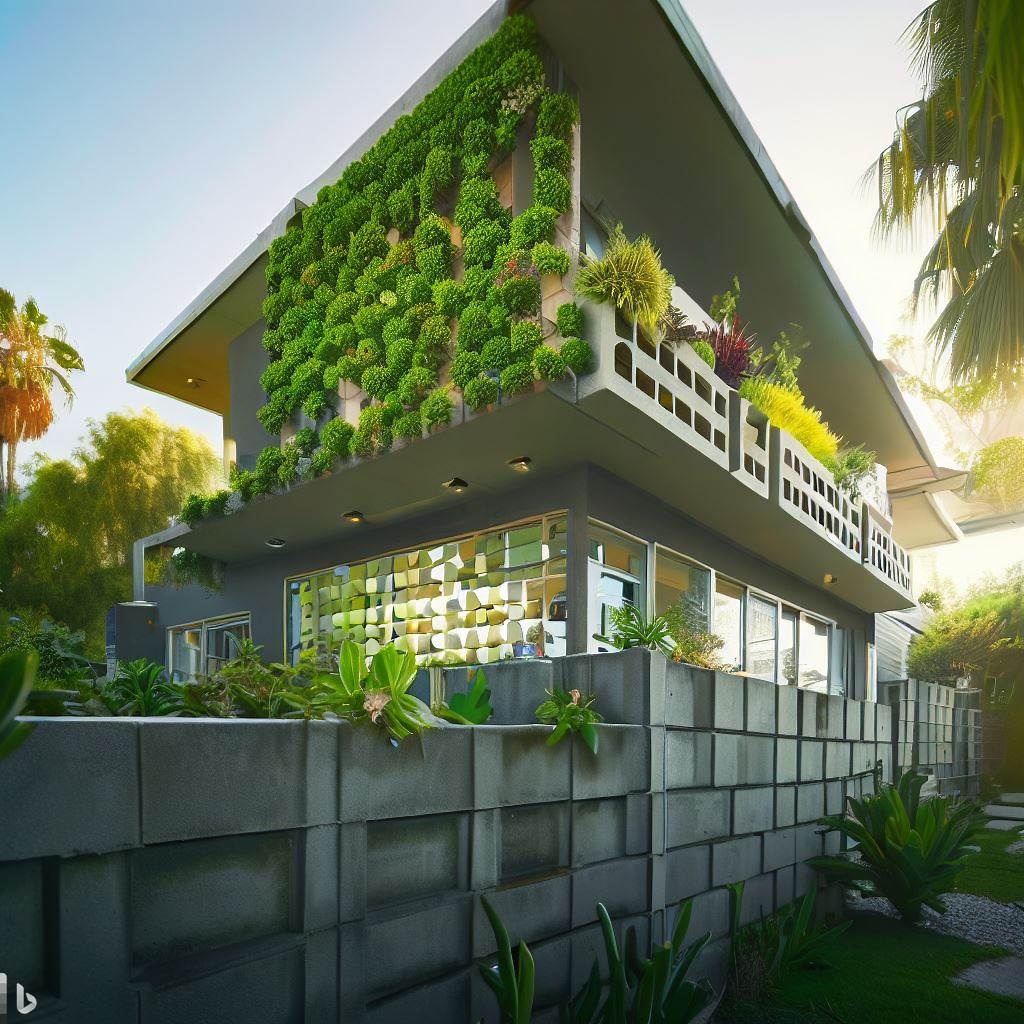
[974,918]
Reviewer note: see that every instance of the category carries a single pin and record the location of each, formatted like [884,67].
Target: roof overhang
[919,521]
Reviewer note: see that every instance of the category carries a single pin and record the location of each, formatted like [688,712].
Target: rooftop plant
[17,673]
[570,712]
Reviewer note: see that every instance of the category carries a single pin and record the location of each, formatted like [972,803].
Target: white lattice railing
[674,386]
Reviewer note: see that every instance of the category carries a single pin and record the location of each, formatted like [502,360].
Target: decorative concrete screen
[473,600]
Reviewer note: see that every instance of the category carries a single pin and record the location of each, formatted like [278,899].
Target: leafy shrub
[474,326]
[577,354]
[139,689]
[480,392]
[535,224]
[629,276]
[909,850]
[465,366]
[437,409]
[551,188]
[694,645]
[192,510]
[550,153]
[409,424]
[569,320]
[953,645]
[437,175]
[520,295]
[517,378]
[704,349]
[548,364]
[470,708]
[851,467]
[550,259]
[17,675]
[415,384]
[558,113]
[449,297]
[998,474]
[478,202]
[787,410]
[60,650]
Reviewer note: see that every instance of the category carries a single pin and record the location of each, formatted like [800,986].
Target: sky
[154,141]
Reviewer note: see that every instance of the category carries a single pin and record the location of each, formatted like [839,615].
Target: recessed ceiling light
[355,516]
[274,542]
[456,484]
[520,464]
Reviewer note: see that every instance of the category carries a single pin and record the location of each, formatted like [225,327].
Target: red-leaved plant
[732,347]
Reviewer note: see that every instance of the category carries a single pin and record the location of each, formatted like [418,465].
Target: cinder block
[735,859]
[320,850]
[599,830]
[753,810]
[812,722]
[621,885]
[837,759]
[321,977]
[352,871]
[87,769]
[784,886]
[863,757]
[811,760]
[534,838]
[405,949]
[804,878]
[689,696]
[785,806]
[786,760]
[185,763]
[412,858]
[836,717]
[630,685]
[883,725]
[810,801]
[532,909]
[854,714]
[516,686]
[622,765]
[758,898]
[779,848]
[761,697]
[516,766]
[832,843]
[834,799]
[263,991]
[728,701]
[688,757]
[381,781]
[447,999]
[786,716]
[697,814]
[870,716]
[807,839]
[23,895]
[743,760]
[710,913]
[688,872]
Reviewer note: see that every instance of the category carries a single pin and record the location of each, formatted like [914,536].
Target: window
[762,620]
[201,648]
[814,653]
[678,580]
[475,599]
[616,575]
[728,621]
[787,647]
[592,236]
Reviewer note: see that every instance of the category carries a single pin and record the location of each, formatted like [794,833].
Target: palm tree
[31,364]
[956,161]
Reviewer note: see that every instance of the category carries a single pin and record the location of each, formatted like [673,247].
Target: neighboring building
[512,531]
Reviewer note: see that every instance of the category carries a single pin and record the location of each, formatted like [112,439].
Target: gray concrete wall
[247,359]
[203,870]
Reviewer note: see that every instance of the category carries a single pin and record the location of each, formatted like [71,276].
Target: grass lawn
[884,973]
[994,872]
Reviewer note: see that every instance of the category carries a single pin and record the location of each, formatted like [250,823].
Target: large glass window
[762,623]
[472,600]
[788,647]
[201,648]
[814,653]
[616,575]
[728,623]
[677,580]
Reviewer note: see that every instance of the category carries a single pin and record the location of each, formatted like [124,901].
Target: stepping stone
[1004,977]
[1002,811]
[1003,826]
[1012,798]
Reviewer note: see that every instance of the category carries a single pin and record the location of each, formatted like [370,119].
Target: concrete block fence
[171,870]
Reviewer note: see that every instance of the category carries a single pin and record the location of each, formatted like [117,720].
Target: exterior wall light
[355,516]
[830,580]
[456,484]
[274,542]
[520,464]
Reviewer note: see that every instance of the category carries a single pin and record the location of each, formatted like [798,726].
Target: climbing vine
[364,289]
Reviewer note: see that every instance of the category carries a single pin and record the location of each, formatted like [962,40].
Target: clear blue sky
[146,144]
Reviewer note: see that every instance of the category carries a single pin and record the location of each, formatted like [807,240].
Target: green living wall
[364,290]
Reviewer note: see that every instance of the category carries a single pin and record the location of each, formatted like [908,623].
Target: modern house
[507,524]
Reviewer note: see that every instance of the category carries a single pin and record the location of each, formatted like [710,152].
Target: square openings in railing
[683,412]
[665,399]
[624,361]
[702,387]
[667,358]
[720,405]
[702,426]
[720,440]
[645,383]
[683,373]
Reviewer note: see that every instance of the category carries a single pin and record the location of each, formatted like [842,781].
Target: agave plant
[139,688]
[631,629]
[631,277]
[640,990]
[909,849]
[17,673]
[378,694]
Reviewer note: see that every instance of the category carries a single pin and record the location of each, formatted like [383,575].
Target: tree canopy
[66,538]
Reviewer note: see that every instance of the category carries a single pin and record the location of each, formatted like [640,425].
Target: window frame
[203,625]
